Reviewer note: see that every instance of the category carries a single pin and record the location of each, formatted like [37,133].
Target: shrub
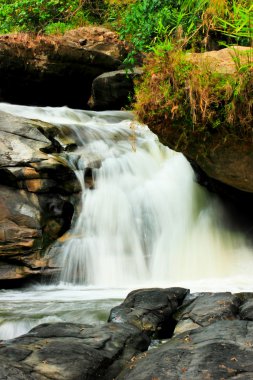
[36,15]
[198,24]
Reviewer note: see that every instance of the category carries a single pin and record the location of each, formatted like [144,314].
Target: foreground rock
[36,194]
[211,341]
[71,351]
[204,309]
[56,70]
[222,350]
[150,310]
[76,351]
[215,343]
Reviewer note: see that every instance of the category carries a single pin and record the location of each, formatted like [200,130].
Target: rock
[246,311]
[56,70]
[71,351]
[150,310]
[246,308]
[113,90]
[29,223]
[222,350]
[225,60]
[205,309]
[36,194]
[219,348]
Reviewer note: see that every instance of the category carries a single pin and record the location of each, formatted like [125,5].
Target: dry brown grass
[193,99]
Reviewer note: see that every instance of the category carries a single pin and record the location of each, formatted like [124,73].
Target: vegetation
[197,24]
[48,16]
[174,89]
[178,95]
[185,94]
[144,23]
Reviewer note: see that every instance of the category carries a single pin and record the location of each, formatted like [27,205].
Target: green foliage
[186,23]
[57,28]
[145,21]
[238,23]
[38,15]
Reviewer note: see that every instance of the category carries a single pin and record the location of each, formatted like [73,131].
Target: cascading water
[143,221]
[146,220]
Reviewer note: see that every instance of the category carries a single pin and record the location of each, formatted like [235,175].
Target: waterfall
[143,219]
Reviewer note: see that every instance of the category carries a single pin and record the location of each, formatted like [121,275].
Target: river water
[145,222]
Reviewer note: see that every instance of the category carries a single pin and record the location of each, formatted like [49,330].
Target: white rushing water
[144,223]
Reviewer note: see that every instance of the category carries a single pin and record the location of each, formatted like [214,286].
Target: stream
[144,223]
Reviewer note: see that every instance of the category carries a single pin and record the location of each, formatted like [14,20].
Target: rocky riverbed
[154,334]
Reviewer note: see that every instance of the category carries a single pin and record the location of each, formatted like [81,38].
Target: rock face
[113,90]
[36,202]
[56,70]
[215,342]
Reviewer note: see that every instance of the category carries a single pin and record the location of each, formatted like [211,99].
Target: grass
[190,100]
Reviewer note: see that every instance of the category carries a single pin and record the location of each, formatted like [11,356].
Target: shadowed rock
[56,70]
[113,90]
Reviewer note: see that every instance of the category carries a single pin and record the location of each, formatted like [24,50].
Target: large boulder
[67,351]
[113,90]
[56,70]
[150,310]
[36,194]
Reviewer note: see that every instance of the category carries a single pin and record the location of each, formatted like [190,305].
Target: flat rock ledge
[154,334]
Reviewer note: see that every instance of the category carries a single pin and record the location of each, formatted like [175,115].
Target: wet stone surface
[219,346]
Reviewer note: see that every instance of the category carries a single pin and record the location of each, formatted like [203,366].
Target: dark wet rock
[56,70]
[150,310]
[205,309]
[246,308]
[113,90]
[71,351]
[246,311]
[222,350]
